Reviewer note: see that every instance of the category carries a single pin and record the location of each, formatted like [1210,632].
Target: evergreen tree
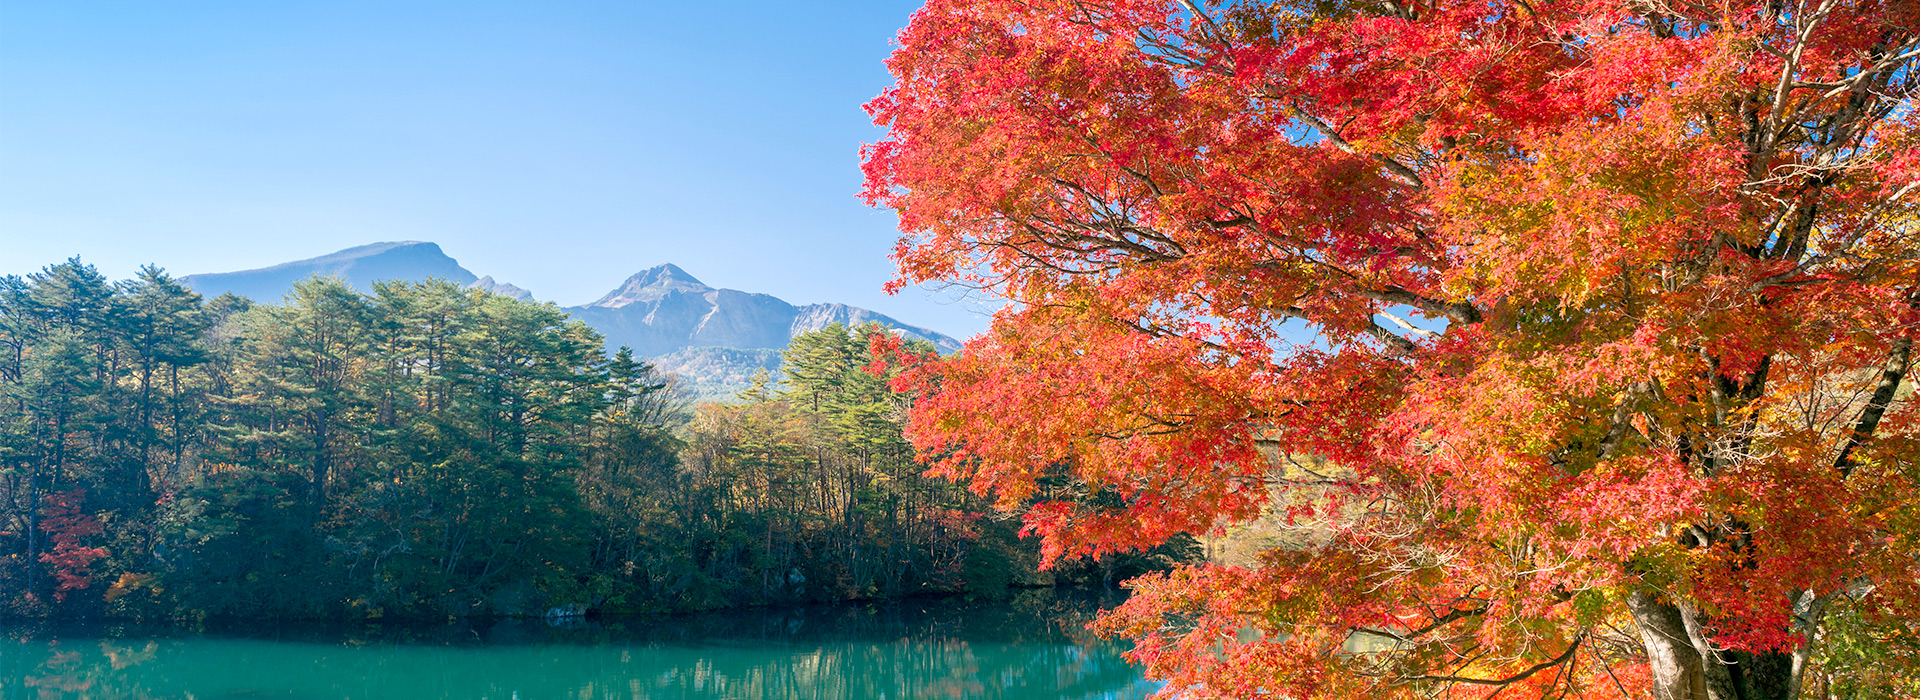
[428,449]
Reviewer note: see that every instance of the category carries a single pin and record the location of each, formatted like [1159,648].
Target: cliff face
[715,338]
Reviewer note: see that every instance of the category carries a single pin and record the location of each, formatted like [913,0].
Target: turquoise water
[1036,649]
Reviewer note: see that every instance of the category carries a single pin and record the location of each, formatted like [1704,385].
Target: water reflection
[1031,648]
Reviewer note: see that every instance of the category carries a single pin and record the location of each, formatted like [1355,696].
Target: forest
[425,451]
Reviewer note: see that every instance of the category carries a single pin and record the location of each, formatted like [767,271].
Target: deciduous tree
[1599,312]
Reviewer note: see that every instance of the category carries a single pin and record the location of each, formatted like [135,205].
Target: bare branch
[1459,312]
[1510,680]
[1770,133]
[1399,170]
[1401,322]
[1899,359]
[1391,339]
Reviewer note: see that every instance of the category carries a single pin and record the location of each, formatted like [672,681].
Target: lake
[1035,646]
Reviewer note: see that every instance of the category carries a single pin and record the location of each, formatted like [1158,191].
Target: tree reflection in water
[1033,647]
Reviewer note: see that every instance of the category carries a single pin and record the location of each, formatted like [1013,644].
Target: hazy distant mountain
[360,267]
[502,288]
[714,338]
[718,374]
[663,310]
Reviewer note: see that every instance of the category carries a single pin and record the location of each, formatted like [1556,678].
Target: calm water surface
[1034,647]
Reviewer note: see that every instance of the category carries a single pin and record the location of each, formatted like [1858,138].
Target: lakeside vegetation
[426,450]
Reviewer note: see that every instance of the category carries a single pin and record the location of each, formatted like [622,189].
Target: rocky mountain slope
[718,374]
[715,339]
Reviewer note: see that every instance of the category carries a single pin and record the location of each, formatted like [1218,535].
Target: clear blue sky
[559,146]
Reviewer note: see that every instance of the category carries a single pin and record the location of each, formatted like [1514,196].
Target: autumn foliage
[68,528]
[1595,319]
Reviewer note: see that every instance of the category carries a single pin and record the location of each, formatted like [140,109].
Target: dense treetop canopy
[1616,299]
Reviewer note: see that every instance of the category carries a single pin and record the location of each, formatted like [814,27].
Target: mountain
[360,267]
[715,339]
[663,310]
[501,288]
[718,374]
[651,285]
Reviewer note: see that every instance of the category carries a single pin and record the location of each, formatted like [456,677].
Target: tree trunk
[33,527]
[142,482]
[1686,667]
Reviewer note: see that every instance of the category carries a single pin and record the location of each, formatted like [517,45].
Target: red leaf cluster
[67,525]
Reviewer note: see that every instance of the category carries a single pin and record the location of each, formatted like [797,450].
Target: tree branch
[1564,657]
[1458,312]
[1899,359]
[1392,340]
[1399,170]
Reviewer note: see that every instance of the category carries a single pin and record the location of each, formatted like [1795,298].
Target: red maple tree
[67,525]
[1594,318]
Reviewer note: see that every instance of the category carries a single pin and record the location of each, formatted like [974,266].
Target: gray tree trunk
[1687,667]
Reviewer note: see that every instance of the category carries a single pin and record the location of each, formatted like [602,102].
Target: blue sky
[557,146]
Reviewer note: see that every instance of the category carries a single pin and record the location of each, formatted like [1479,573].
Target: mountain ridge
[360,266]
[663,309]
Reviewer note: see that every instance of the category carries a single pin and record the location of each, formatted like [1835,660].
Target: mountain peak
[665,273]
[651,284]
[489,284]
